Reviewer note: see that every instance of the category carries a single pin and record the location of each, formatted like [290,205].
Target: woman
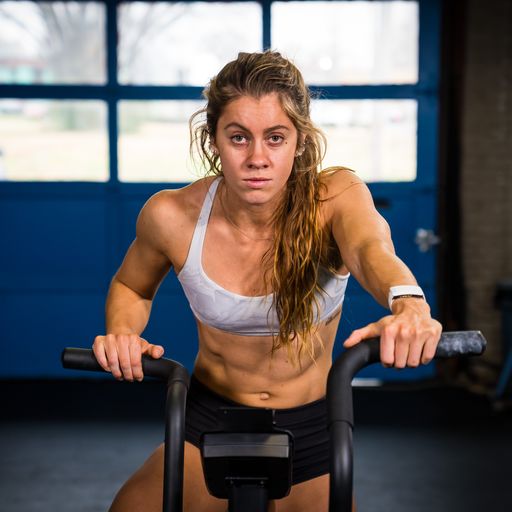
[263,250]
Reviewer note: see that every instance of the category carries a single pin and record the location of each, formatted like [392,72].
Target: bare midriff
[242,369]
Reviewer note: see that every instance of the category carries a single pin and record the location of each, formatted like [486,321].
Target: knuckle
[136,366]
[406,330]
[389,330]
[122,339]
[98,340]
[112,359]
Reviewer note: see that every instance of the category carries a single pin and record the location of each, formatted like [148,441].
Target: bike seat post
[248,496]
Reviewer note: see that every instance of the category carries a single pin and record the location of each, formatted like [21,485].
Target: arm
[409,335]
[130,298]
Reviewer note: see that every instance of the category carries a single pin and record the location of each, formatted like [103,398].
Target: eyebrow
[242,127]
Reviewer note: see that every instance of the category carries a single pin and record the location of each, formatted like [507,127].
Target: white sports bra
[240,314]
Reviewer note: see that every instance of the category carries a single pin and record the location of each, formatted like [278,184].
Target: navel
[264,395]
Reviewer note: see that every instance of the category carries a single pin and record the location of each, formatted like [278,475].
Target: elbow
[118,283]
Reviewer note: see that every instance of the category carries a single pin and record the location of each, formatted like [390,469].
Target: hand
[121,354]
[408,337]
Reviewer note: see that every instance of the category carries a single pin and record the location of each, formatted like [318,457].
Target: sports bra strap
[196,246]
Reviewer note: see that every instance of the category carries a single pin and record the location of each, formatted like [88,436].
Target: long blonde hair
[292,263]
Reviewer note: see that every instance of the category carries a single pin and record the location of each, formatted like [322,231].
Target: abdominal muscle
[242,369]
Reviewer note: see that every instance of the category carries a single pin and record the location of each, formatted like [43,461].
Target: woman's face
[256,142]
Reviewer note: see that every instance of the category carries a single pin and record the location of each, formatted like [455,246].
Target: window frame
[425,91]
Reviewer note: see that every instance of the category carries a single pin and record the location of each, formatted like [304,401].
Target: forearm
[127,312]
[379,269]
[408,336]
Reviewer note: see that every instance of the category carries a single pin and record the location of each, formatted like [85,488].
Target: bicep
[143,269]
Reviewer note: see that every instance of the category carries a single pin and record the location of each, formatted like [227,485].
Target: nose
[257,158]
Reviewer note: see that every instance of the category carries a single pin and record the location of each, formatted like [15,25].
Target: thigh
[144,489]
[306,496]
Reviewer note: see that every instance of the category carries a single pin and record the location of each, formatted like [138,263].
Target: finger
[417,346]
[387,345]
[429,349]
[415,351]
[136,358]
[155,351]
[98,348]
[112,356]
[402,342]
[123,350]
[369,331]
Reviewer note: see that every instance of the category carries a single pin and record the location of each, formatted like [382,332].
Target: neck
[253,221]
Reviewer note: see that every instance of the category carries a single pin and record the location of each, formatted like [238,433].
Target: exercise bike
[248,461]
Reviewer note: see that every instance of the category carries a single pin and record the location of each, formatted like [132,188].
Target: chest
[234,261]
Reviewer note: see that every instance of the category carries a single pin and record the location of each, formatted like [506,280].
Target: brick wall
[486,163]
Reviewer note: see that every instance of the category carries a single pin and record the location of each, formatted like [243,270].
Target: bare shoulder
[337,180]
[167,214]
[349,209]
[344,192]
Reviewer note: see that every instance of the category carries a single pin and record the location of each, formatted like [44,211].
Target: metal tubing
[341,480]
[174,446]
[177,379]
[340,415]
[244,497]
[340,408]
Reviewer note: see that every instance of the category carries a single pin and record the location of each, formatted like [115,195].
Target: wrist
[120,329]
[417,304]
[402,292]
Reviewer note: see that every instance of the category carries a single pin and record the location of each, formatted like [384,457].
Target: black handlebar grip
[80,359]
[460,343]
[163,369]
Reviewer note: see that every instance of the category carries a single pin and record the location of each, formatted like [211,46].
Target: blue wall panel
[40,324]
[60,253]
[52,244]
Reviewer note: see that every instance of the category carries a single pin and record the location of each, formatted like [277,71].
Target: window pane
[184,43]
[349,42]
[53,140]
[154,141]
[52,42]
[376,138]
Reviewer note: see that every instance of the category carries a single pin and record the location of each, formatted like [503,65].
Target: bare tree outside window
[52,42]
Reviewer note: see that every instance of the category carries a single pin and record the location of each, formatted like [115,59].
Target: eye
[238,139]
[275,139]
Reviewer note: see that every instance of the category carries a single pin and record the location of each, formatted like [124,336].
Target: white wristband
[396,292]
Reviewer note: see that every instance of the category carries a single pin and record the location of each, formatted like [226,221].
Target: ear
[213,148]
[301,145]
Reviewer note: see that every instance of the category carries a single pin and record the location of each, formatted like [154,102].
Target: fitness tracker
[404,291]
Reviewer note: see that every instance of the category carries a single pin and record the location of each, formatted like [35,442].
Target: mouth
[257,179]
[256,182]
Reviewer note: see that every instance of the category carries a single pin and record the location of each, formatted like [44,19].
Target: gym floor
[69,445]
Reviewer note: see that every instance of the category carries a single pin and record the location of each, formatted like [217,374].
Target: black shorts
[307,423]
